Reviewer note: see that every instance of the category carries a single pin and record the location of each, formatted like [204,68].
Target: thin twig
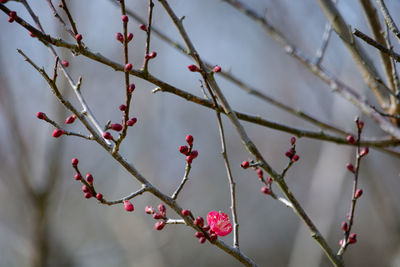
[388,19]
[232,184]
[128,197]
[128,95]
[353,196]
[67,29]
[184,180]
[325,40]
[148,32]
[375,44]
[71,21]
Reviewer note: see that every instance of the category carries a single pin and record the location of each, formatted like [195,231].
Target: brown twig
[148,33]
[184,180]
[345,242]
[388,19]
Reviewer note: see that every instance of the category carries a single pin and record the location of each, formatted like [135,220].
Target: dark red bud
[360,124]
[41,115]
[189,159]
[131,122]
[143,27]
[131,88]
[75,162]
[70,119]
[128,67]
[129,37]
[57,133]
[157,216]
[293,140]
[350,139]
[78,177]
[162,209]
[116,127]
[266,190]
[358,193]
[78,37]
[88,195]
[125,18]
[65,63]
[119,37]
[260,173]
[194,154]
[128,206]
[186,212]
[364,151]
[159,225]
[99,197]
[89,178]
[153,55]
[189,140]
[350,167]
[245,164]
[345,226]
[216,69]
[85,189]
[295,158]
[108,136]
[198,234]
[202,240]
[193,68]
[184,150]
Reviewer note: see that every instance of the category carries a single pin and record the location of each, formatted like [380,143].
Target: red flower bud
[295,158]
[125,18]
[216,69]
[199,221]
[122,107]
[345,226]
[162,209]
[364,151]
[129,37]
[85,189]
[65,63]
[78,177]
[119,37]
[116,127]
[128,206]
[108,136]
[206,228]
[75,162]
[78,37]
[358,193]
[89,178]
[184,150]
[157,216]
[202,240]
[31,34]
[40,115]
[131,88]
[198,234]
[189,159]
[70,119]
[245,164]
[57,133]
[266,190]
[99,197]
[293,140]
[88,195]
[194,154]
[149,210]
[186,212]
[193,68]
[289,154]
[269,180]
[10,19]
[13,14]
[260,173]
[153,55]
[352,239]
[128,67]
[131,122]
[350,167]
[143,27]
[159,225]
[189,140]
[360,124]
[350,139]
[213,237]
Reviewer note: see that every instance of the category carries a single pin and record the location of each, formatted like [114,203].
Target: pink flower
[219,223]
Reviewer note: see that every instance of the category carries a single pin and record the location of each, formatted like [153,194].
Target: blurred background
[46,221]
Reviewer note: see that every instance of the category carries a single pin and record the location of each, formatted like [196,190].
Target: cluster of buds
[87,187]
[291,153]
[188,150]
[117,126]
[12,16]
[266,189]
[161,215]
[120,37]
